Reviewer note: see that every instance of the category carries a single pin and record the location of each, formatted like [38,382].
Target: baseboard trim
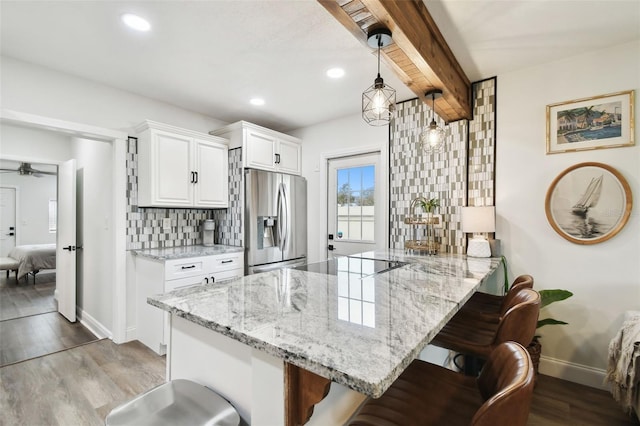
[93,325]
[577,373]
[131,334]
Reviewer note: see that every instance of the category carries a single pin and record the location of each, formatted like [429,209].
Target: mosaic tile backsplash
[144,224]
[441,175]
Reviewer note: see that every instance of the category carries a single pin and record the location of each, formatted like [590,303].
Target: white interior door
[7,220]
[66,241]
[355,207]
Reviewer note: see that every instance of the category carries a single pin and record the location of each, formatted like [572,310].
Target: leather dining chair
[479,336]
[426,394]
[492,304]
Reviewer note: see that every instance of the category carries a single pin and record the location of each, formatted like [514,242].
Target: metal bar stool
[426,394]
[177,402]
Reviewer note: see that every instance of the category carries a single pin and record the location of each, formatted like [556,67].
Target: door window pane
[355,203]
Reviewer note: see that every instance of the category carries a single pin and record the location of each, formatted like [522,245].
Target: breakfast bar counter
[357,322]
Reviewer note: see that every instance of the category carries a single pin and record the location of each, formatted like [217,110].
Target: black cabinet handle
[206,280]
[277,158]
[227,261]
[213,280]
[189,267]
[193,177]
[196,173]
[330,247]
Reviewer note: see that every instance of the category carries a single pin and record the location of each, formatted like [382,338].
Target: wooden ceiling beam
[419,56]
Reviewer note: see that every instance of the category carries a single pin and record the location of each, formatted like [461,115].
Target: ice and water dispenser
[267,231]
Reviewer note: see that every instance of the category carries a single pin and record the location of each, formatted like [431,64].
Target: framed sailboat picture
[604,121]
[588,203]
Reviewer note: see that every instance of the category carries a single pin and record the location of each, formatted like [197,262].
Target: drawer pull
[227,261]
[189,267]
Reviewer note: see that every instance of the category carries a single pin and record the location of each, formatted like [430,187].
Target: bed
[34,258]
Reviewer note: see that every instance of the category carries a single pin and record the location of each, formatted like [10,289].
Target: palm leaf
[549,321]
[550,296]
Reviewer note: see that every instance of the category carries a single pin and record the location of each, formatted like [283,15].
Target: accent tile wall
[481,152]
[229,221]
[144,224]
[441,175]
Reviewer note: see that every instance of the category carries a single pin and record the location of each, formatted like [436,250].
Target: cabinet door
[211,164]
[290,158]
[260,150]
[170,169]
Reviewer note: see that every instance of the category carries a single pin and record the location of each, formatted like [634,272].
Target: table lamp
[476,220]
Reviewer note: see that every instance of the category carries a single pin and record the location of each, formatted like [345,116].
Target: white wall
[95,231]
[33,195]
[33,145]
[326,138]
[42,91]
[36,90]
[605,277]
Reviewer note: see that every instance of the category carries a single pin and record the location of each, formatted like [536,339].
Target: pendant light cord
[379,46]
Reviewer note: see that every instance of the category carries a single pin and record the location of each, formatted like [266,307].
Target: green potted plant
[547,297]
[429,205]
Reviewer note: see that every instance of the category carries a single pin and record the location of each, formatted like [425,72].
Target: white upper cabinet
[181,168]
[263,148]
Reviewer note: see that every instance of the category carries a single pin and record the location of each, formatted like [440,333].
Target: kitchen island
[272,343]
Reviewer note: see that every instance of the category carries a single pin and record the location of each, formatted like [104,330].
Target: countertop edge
[187,252]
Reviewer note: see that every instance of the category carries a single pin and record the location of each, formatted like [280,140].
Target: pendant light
[432,138]
[379,100]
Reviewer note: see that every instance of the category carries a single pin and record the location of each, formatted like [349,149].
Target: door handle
[10,234]
[330,248]
[70,248]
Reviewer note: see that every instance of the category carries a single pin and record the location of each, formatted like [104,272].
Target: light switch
[166,224]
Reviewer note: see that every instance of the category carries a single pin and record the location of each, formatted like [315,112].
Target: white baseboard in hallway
[94,326]
[577,373]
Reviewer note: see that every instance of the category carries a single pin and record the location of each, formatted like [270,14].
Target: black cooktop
[352,265]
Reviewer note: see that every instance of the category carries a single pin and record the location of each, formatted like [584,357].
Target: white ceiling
[213,56]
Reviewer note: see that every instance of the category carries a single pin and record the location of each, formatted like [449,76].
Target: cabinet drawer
[224,276]
[227,261]
[183,268]
[183,282]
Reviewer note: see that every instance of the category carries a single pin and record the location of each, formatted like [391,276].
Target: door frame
[325,157]
[118,141]
[17,207]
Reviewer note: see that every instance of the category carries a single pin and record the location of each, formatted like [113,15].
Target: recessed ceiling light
[335,73]
[257,101]
[136,22]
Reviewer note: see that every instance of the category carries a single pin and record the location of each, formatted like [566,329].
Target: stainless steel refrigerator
[275,219]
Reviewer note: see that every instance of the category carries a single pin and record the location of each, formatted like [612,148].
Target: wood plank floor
[37,335]
[21,299]
[80,386]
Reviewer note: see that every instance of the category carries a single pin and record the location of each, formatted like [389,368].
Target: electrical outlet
[166,224]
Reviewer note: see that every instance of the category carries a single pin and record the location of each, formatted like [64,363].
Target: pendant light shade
[432,138]
[379,100]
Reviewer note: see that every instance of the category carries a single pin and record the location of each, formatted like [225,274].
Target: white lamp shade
[479,219]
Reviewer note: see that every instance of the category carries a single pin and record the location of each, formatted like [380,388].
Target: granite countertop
[359,331]
[182,252]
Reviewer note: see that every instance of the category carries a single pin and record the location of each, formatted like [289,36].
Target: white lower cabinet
[158,276]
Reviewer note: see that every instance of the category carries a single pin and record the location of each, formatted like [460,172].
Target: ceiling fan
[25,169]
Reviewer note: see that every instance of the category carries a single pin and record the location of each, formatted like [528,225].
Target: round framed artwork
[588,203]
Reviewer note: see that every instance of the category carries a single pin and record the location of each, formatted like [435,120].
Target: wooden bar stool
[472,335]
[426,394]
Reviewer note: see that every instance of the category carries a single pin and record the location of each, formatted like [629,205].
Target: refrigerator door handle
[287,222]
[280,213]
